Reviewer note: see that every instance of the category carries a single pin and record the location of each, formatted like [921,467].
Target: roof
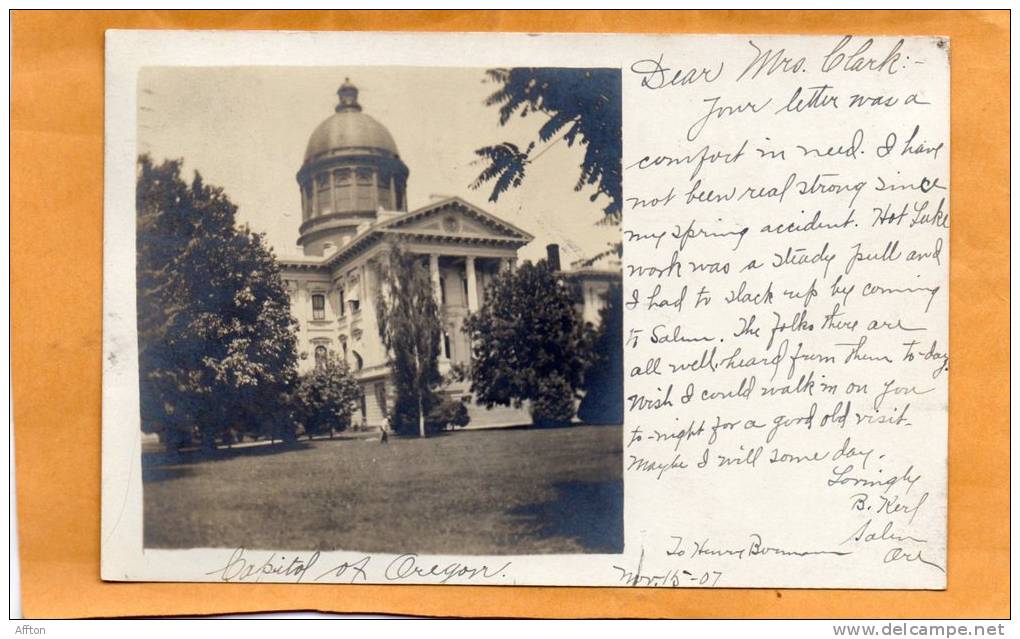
[401,225]
[462,205]
[347,130]
[606,261]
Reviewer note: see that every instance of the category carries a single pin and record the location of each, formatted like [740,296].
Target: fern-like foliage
[583,106]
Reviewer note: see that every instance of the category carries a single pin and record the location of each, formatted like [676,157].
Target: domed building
[353,186]
[351,170]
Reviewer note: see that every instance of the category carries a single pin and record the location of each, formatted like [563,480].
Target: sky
[245,129]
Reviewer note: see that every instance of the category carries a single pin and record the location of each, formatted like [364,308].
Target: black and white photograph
[379,309]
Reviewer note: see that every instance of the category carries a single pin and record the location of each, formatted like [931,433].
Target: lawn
[510,491]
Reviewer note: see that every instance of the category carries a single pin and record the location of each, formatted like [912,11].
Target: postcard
[517,309]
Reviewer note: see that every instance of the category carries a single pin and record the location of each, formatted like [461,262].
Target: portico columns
[472,283]
[434,270]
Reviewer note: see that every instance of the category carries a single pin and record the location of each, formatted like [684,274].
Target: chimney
[553,256]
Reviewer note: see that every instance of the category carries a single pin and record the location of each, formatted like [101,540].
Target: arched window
[320,356]
[358,362]
[318,307]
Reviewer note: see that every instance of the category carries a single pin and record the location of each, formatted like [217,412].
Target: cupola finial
[348,94]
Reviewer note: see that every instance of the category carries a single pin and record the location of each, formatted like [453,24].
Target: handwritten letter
[786,247]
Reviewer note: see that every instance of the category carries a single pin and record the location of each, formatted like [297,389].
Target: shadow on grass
[166,465]
[590,513]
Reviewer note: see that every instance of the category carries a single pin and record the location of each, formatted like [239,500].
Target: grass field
[512,491]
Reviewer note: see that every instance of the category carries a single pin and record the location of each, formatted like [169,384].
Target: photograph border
[432,119]
[56,434]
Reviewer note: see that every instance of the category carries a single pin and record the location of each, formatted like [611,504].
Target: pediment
[455,217]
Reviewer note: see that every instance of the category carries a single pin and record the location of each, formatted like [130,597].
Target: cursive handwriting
[410,566]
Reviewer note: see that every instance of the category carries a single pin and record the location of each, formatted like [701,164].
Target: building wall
[354,335]
[593,292]
[301,286]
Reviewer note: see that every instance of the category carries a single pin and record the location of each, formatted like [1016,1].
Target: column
[371,346]
[366,298]
[434,270]
[472,283]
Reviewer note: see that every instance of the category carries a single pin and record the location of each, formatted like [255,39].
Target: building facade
[353,186]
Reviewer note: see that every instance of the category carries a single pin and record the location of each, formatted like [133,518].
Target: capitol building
[353,186]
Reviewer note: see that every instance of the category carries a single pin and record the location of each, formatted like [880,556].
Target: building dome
[351,169]
[346,131]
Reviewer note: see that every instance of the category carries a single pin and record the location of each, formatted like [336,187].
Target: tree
[529,344]
[603,381]
[327,396]
[582,106]
[408,319]
[217,349]
[448,412]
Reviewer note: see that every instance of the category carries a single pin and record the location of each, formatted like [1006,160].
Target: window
[342,189]
[358,362]
[318,307]
[320,356]
[384,192]
[446,345]
[364,197]
[353,298]
[323,201]
[343,309]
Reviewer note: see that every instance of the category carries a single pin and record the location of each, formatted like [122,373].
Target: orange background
[56,253]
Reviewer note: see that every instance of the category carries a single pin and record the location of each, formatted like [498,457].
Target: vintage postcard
[507,309]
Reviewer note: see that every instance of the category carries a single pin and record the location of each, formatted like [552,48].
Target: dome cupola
[348,94]
[351,169]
